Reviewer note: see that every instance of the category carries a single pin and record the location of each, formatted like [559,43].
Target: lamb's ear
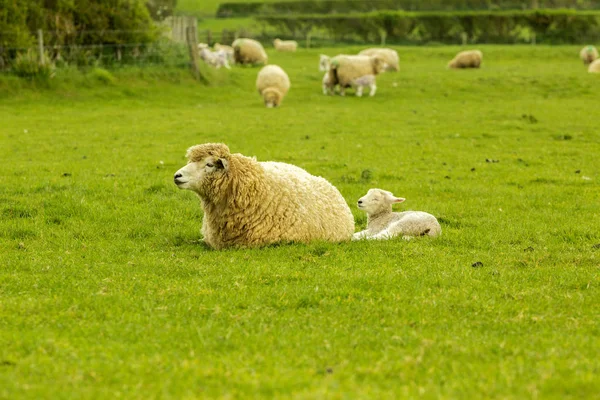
[398,199]
[222,163]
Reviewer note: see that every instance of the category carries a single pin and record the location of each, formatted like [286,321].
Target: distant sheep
[248,203]
[249,51]
[467,59]
[272,84]
[364,81]
[594,67]
[384,224]
[345,69]
[588,54]
[285,45]
[228,50]
[214,59]
[388,55]
[324,63]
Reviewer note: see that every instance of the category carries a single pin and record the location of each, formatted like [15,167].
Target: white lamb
[359,84]
[216,59]
[384,224]
[324,64]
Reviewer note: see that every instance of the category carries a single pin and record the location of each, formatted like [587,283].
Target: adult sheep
[588,54]
[467,59]
[272,84]
[285,45]
[249,203]
[388,55]
[345,69]
[594,67]
[248,51]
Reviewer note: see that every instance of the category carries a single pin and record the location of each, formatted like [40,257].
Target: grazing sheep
[344,69]
[382,223]
[324,64]
[594,67]
[249,51]
[272,84]
[228,50]
[388,55]
[248,203]
[588,54]
[467,59]
[215,59]
[285,45]
[364,81]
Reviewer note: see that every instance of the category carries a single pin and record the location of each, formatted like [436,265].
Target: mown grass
[107,292]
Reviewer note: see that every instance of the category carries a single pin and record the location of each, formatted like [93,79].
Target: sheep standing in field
[594,67]
[345,69]
[388,55]
[364,81]
[249,51]
[384,224]
[285,45]
[272,84]
[324,64]
[588,54]
[467,59]
[248,203]
[214,59]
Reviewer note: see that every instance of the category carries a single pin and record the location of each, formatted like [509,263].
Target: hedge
[353,6]
[549,26]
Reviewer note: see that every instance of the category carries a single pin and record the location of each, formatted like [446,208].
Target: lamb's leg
[383,235]
[359,91]
[373,90]
[342,90]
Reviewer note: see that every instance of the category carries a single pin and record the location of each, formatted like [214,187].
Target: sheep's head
[272,97]
[276,42]
[207,163]
[324,63]
[377,201]
[379,64]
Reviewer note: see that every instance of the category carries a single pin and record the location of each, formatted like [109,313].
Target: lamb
[594,67]
[344,69]
[215,59]
[324,64]
[285,45]
[228,50]
[588,54]
[383,224]
[272,84]
[249,51]
[467,59]
[388,55]
[248,203]
[364,81]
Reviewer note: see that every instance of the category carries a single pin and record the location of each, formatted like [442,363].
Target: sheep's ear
[222,163]
[398,199]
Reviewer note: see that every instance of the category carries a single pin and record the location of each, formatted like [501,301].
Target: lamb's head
[324,63]
[272,97]
[377,201]
[207,164]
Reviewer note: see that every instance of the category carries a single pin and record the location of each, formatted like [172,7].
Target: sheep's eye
[209,165]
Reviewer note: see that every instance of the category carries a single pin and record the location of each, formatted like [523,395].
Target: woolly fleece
[285,45]
[249,51]
[344,69]
[594,67]
[467,59]
[273,84]
[388,55]
[249,203]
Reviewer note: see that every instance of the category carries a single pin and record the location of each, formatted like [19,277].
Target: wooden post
[308,40]
[209,38]
[464,38]
[383,35]
[193,47]
[41,46]
[533,39]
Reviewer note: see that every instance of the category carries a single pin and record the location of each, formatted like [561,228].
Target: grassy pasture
[107,292]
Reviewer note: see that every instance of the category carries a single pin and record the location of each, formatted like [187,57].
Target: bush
[28,65]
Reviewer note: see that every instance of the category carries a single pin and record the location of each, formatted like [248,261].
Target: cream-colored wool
[272,84]
[594,67]
[248,203]
[388,55]
[228,50]
[588,54]
[285,45]
[383,224]
[467,59]
[249,51]
[344,69]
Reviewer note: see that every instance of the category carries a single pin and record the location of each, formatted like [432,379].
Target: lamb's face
[196,174]
[377,200]
[324,63]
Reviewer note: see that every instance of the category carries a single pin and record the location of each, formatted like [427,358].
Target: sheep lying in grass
[594,67]
[345,69]
[249,203]
[588,54]
[388,55]
[383,224]
[249,51]
[273,84]
[364,81]
[467,59]
[285,45]
[214,59]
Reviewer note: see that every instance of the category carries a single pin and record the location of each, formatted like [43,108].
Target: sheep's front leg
[373,90]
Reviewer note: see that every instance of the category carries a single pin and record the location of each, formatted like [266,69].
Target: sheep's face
[272,97]
[196,175]
[379,65]
[377,201]
[324,63]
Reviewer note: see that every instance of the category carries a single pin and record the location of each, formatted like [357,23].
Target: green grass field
[106,290]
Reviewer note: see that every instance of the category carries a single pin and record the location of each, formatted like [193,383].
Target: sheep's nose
[177,176]
[360,202]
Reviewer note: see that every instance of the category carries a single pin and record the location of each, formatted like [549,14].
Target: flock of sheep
[341,72]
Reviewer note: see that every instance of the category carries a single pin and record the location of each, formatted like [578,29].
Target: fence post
[209,37]
[193,47]
[464,38]
[308,39]
[383,35]
[40,35]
